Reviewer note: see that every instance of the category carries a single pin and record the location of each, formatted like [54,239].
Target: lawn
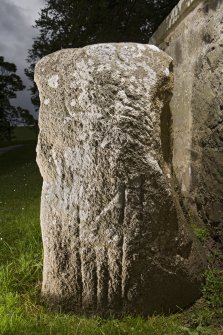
[21,309]
[21,135]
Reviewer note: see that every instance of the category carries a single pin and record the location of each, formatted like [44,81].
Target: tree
[10,83]
[76,23]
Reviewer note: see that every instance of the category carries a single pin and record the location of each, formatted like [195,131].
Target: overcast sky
[16,33]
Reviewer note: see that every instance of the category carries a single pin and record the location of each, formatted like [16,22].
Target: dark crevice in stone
[121,224]
[79,265]
[166,134]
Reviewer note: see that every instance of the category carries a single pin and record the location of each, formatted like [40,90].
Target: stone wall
[193,36]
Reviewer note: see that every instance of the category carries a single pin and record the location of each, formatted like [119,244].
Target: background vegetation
[10,84]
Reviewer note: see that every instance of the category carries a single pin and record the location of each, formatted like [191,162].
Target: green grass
[24,134]
[200,232]
[21,309]
[21,135]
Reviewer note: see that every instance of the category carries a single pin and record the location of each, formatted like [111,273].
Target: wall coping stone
[177,15]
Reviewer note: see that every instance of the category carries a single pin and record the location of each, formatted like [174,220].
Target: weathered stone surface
[196,45]
[115,238]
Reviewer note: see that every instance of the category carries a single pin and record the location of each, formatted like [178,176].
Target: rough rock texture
[196,45]
[115,239]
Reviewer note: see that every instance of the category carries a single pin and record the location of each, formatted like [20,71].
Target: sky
[16,34]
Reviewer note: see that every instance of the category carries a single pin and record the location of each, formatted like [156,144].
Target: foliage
[213,290]
[10,83]
[75,23]
[21,308]
[208,314]
[200,232]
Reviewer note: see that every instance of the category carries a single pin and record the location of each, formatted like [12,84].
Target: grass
[21,135]
[24,134]
[21,309]
[200,232]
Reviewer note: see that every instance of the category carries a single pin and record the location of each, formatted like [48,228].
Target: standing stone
[115,238]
